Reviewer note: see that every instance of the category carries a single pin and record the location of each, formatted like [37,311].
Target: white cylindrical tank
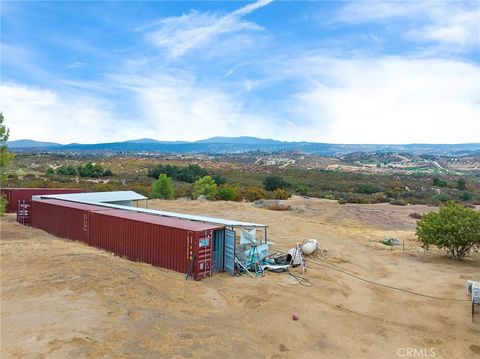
[309,246]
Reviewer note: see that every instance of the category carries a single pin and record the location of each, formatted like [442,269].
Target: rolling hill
[218,145]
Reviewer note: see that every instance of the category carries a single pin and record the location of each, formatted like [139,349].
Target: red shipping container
[14,195]
[181,245]
[62,218]
[164,242]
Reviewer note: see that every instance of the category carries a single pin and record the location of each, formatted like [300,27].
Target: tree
[107,173]
[466,196]
[90,170]
[219,180]
[367,188]
[50,171]
[273,182]
[439,182]
[66,170]
[302,189]
[461,183]
[20,173]
[205,186]
[5,158]
[189,173]
[163,187]
[454,228]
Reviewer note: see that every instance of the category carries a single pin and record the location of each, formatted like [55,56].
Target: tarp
[247,237]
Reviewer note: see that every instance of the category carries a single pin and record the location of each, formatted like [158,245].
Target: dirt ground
[63,299]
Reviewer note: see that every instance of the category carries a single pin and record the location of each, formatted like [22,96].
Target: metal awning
[97,197]
[100,200]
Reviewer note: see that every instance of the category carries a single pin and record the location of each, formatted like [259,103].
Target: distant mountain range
[218,145]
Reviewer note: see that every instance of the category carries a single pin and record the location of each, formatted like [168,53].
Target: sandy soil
[63,299]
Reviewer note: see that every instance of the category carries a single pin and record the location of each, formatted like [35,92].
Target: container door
[23,212]
[204,256]
[229,262]
[218,250]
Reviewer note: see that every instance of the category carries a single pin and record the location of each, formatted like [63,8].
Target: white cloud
[42,114]
[369,100]
[180,34]
[371,11]
[390,100]
[459,27]
[179,108]
[449,23]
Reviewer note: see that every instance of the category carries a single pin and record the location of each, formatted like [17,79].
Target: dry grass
[63,299]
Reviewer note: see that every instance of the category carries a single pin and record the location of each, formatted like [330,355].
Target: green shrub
[357,198]
[90,170]
[3,204]
[107,173]
[252,193]
[66,170]
[367,188]
[189,173]
[442,198]
[302,190]
[280,194]
[466,196]
[219,180]
[399,202]
[182,190]
[227,193]
[415,215]
[380,198]
[329,195]
[20,173]
[273,182]
[439,182]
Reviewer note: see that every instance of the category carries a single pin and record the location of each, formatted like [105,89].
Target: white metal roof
[191,217]
[97,197]
[102,199]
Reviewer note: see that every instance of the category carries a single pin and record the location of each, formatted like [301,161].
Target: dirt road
[63,299]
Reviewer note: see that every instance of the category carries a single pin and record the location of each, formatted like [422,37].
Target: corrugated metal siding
[154,240]
[163,221]
[160,241]
[25,194]
[64,219]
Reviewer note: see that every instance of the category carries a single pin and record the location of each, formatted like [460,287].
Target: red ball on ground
[295,316]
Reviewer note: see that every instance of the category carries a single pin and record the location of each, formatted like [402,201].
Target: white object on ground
[310,246]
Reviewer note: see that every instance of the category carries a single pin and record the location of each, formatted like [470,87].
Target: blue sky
[324,71]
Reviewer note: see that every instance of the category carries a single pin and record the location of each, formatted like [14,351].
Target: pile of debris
[252,258]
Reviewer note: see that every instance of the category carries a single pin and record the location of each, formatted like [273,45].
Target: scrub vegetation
[242,178]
